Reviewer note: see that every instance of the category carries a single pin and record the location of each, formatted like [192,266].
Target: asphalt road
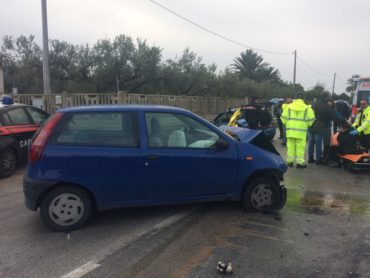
[324,231]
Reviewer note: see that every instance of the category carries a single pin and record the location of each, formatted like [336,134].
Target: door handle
[152,157]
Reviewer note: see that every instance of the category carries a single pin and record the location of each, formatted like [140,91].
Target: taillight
[354,111]
[41,138]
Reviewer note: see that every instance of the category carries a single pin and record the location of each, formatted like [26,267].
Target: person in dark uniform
[343,109]
[278,112]
[256,115]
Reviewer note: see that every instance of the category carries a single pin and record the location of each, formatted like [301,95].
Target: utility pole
[2,91]
[45,50]
[295,69]
[117,82]
[332,92]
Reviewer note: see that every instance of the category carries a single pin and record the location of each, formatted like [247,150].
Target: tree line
[124,64]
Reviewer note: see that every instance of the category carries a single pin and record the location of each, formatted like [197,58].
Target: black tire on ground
[66,208]
[263,195]
[8,163]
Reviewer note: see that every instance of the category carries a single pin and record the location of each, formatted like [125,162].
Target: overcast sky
[329,35]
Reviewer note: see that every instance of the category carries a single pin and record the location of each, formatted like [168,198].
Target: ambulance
[362,91]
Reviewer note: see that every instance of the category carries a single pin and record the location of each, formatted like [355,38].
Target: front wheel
[263,195]
[8,163]
[66,208]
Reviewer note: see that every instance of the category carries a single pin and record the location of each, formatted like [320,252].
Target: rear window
[117,129]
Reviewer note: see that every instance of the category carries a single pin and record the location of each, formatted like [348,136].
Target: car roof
[4,107]
[127,107]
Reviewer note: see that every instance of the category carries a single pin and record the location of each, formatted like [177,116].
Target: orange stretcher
[356,161]
[352,161]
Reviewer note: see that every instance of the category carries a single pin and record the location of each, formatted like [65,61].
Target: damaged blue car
[87,159]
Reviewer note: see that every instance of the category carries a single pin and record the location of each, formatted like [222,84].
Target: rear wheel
[66,208]
[8,162]
[263,195]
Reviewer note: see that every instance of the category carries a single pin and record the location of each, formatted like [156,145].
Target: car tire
[8,163]
[66,208]
[263,195]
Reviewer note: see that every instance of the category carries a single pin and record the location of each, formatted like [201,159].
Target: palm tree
[268,73]
[248,64]
[251,65]
[351,84]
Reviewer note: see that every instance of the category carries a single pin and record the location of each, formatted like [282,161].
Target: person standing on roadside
[324,114]
[279,111]
[297,117]
[362,125]
[335,117]
[343,109]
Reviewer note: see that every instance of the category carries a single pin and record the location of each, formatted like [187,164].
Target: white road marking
[90,266]
[82,270]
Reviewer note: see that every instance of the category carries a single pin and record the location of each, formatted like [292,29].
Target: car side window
[223,118]
[38,117]
[170,130]
[5,119]
[18,116]
[99,129]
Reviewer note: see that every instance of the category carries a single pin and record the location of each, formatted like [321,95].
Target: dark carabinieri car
[18,124]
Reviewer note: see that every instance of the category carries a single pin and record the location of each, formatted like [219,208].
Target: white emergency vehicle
[362,91]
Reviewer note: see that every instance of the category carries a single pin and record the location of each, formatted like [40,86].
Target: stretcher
[353,162]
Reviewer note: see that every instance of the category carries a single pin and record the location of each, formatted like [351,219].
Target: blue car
[102,157]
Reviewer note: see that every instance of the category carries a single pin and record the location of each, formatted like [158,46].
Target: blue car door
[180,159]
[101,151]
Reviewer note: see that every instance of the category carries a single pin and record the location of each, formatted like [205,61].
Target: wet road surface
[323,231]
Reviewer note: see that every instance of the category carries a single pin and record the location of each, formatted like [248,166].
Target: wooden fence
[207,107]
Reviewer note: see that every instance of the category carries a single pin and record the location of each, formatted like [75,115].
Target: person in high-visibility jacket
[297,117]
[362,124]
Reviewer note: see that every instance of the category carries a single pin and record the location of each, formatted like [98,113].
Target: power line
[242,44]
[278,58]
[307,65]
[216,34]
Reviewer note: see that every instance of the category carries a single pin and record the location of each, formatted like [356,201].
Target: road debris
[224,268]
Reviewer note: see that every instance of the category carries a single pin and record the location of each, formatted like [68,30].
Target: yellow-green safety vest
[365,121]
[297,118]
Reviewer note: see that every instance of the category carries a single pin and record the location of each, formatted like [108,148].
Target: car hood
[264,153]
[243,134]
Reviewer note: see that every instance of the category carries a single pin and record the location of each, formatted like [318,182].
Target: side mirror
[221,144]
